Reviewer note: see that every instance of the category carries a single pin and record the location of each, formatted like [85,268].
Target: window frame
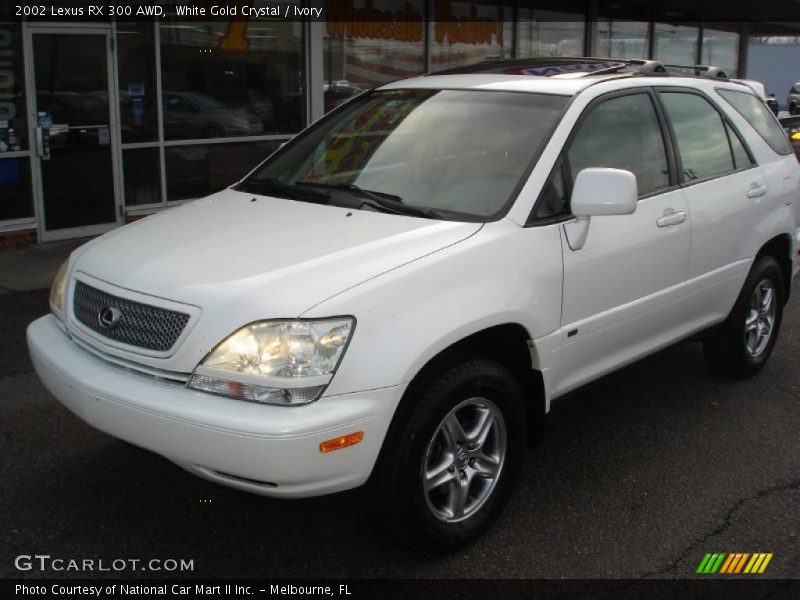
[562,160]
[724,120]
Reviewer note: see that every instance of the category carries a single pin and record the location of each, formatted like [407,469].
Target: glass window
[760,117]
[622,39]
[721,49]
[675,44]
[142,170]
[13,131]
[137,82]
[622,133]
[361,54]
[232,78]
[456,151]
[700,133]
[465,33]
[197,171]
[741,158]
[549,33]
[15,189]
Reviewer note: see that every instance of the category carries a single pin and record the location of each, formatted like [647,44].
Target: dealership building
[105,120]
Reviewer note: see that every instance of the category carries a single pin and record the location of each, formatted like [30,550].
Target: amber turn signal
[341,442]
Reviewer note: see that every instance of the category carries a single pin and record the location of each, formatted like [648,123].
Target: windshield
[459,153]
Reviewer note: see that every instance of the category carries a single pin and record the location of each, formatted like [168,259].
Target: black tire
[730,350]
[792,109]
[416,440]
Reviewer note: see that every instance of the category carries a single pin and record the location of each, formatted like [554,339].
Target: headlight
[275,362]
[57,290]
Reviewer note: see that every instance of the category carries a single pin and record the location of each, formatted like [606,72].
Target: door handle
[671,217]
[756,191]
[39,144]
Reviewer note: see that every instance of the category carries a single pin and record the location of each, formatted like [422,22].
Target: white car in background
[397,295]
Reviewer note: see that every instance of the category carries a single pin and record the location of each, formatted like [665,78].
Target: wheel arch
[780,248]
[506,343]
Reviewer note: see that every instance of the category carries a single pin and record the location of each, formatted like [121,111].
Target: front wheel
[744,342]
[447,468]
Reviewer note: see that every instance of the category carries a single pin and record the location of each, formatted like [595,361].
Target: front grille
[140,325]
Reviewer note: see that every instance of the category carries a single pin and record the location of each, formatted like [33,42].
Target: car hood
[284,256]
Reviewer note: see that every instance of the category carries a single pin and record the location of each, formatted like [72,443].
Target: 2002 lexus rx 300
[395,296]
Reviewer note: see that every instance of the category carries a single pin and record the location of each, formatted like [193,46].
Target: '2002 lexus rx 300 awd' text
[394,298]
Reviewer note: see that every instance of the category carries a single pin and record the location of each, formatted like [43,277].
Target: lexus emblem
[109,317]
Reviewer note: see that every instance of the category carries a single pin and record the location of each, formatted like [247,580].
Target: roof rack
[708,71]
[583,65]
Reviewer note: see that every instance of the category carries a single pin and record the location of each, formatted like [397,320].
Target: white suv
[395,297]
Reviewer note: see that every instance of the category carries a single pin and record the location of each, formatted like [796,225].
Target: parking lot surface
[640,474]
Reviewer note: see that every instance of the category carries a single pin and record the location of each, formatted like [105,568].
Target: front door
[74,128]
[623,288]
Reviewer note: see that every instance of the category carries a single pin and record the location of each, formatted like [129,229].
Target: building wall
[776,65]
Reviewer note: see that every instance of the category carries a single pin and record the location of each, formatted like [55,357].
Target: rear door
[622,288]
[722,185]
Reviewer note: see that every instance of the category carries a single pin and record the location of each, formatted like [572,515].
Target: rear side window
[622,133]
[701,136]
[760,117]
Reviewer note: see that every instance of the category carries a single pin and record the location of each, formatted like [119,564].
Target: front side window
[701,136]
[760,117]
[461,153]
[622,133]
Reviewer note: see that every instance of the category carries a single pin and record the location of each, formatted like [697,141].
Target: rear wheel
[447,469]
[744,342]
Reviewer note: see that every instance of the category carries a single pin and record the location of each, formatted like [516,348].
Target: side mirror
[599,192]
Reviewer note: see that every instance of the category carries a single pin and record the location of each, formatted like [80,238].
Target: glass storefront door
[75,137]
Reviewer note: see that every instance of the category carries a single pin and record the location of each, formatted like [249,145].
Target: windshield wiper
[377,200]
[276,187]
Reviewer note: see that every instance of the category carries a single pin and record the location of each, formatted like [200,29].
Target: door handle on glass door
[671,217]
[756,190]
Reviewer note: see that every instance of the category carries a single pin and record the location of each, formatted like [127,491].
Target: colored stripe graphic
[734,563]
[711,562]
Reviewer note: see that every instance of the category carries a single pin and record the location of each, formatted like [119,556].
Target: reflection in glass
[461,151]
[137,84]
[721,49]
[71,78]
[72,85]
[71,201]
[15,189]
[197,171]
[676,44]
[622,39]
[13,134]
[142,170]
[623,133]
[465,33]
[232,78]
[549,33]
[359,55]
[701,136]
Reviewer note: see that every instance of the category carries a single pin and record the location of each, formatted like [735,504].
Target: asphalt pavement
[639,475]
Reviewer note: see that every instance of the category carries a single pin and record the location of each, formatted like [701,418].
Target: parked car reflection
[192,115]
[339,92]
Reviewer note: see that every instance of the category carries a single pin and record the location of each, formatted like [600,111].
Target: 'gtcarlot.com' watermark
[45,562]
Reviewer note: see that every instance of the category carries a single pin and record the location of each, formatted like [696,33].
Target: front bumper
[269,450]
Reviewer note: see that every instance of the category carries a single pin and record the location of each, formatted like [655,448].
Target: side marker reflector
[341,442]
